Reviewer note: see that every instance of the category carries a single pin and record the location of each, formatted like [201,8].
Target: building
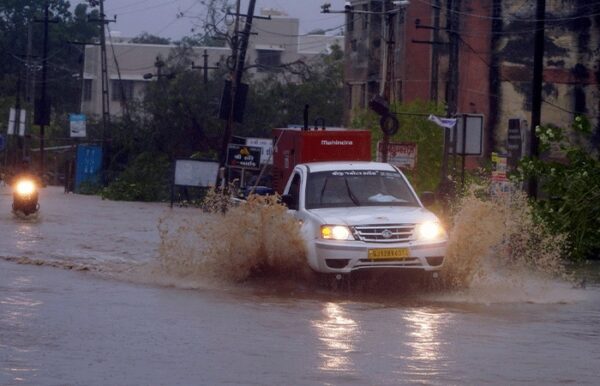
[476,56]
[276,42]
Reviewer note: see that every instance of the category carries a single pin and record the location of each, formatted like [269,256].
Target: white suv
[363,215]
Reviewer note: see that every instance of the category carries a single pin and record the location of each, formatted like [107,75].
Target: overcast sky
[164,17]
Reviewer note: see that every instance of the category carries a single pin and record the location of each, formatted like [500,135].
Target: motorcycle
[25,197]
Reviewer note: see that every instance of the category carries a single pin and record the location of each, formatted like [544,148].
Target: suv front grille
[385,233]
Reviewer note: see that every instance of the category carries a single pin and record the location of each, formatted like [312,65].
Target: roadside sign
[400,154]
[16,121]
[499,166]
[77,124]
[266,145]
[12,117]
[243,157]
[196,173]
[469,126]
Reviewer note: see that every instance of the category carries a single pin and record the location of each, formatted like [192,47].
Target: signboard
[196,173]
[2,142]
[89,165]
[515,141]
[499,166]
[12,121]
[243,157]
[77,125]
[471,127]
[401,154]
[266,145]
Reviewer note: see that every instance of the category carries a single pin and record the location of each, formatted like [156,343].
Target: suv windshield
[342,188]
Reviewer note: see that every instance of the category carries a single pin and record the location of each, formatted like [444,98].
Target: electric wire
[489,65]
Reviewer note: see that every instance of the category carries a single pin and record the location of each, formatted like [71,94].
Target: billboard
[400,154]
[243,157]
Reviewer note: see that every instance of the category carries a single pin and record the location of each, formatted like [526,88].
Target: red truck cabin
[295,146]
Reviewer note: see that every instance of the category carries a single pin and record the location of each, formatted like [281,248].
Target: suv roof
[348,165]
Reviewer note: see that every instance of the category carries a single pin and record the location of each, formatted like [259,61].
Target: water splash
[255,236]
[499,236]
[496,247]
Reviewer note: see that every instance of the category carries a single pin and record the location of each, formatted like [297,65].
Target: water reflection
[339,333]
[425,341]
[17,311]
[26,237]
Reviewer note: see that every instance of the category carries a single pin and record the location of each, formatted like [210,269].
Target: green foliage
[65,59]
[145,179]
[148,38]
[89,188]
[570,185]
[414,127]
[275,102]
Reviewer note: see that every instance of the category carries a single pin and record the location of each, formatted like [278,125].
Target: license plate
[388,253]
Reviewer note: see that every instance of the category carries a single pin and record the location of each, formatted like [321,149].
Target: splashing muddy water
[494,235]
[494,242]
[250,238]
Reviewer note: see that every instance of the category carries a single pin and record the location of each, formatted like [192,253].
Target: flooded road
[107,315]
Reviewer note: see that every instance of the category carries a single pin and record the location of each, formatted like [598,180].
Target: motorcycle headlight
[336,232]
[430,230]
[25,187]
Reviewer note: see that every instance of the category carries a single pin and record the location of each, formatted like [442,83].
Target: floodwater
[95,292]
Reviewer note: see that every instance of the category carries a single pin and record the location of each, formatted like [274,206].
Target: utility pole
[239,56]
[435,65]
[43,106]
[452,91]
[536,89]
[388,70]
[104,81]
[452,28]
[205,67]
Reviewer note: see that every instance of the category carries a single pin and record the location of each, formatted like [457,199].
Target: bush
[414,127]
[570,186]
[145,179]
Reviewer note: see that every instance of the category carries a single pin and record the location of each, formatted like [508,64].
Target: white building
[277,42]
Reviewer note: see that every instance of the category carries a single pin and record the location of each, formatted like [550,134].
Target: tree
[146,38]
[64,60]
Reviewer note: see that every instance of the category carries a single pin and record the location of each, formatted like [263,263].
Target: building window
[122,90]
[268,60]
[87,90]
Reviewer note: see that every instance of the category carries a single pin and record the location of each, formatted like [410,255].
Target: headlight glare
[25,187]
[336,232]
[430,231]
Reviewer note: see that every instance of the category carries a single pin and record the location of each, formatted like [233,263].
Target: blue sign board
[77,125]
[2,142]
[89,165]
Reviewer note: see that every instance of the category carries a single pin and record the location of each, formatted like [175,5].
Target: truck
[355,214]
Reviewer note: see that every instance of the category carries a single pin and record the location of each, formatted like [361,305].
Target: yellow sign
[388,253]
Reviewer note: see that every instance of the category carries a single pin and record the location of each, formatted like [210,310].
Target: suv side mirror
[289,201]
[427,198]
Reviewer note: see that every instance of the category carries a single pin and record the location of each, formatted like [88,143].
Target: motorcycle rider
[24,172]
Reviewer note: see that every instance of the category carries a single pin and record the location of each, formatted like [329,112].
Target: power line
[490,66]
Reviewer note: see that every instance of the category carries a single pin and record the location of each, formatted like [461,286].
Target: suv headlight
[430,230]
[336,232]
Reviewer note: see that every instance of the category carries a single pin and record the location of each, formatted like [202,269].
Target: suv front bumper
[348,256]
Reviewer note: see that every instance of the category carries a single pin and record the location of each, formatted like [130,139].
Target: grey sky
[160,17]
